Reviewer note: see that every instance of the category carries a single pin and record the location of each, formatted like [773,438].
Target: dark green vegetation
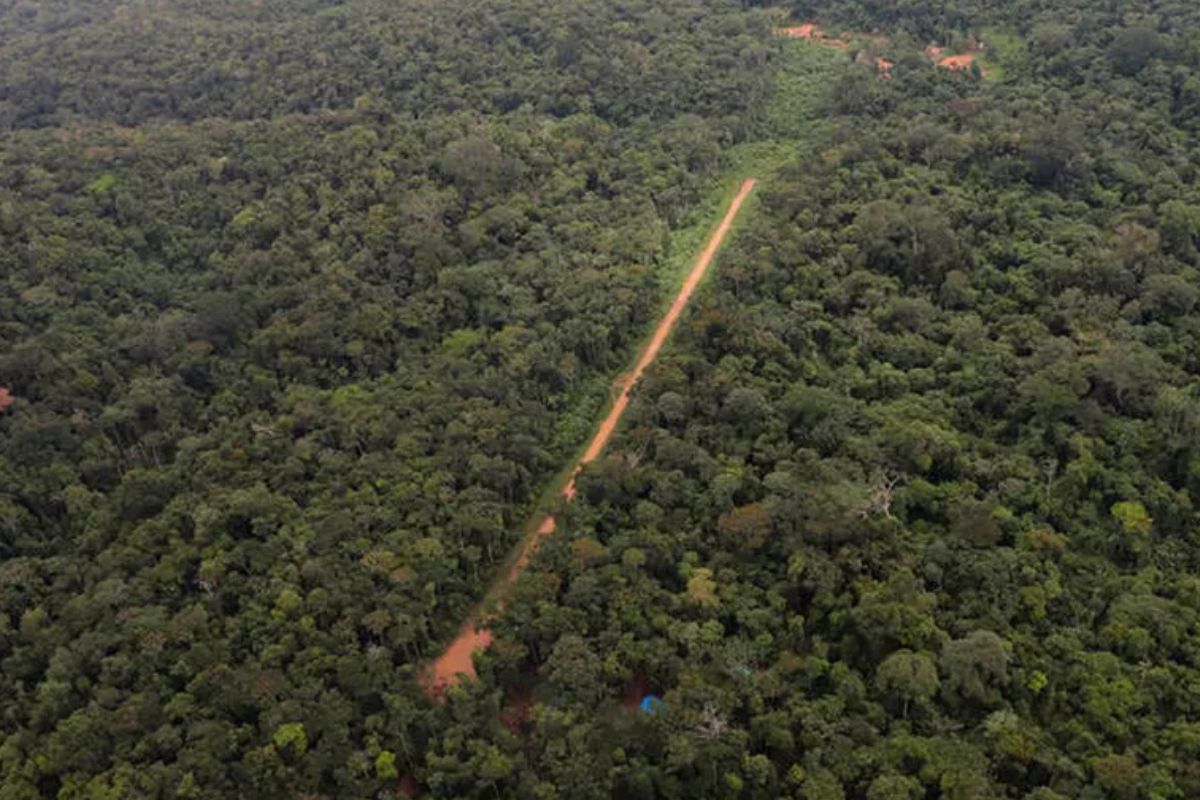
[303,304]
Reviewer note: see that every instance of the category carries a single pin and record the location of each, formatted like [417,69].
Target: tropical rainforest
[305,305]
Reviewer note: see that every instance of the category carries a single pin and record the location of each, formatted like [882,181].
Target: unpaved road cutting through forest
[456,663]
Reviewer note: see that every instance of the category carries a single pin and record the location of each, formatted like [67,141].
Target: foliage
[302,306]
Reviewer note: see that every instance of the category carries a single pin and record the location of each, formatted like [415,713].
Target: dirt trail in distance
[456,663]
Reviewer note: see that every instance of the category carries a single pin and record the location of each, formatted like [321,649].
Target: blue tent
[650,704]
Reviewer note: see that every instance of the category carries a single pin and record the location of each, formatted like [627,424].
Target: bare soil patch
[959,62]
[812,33]
[805,31]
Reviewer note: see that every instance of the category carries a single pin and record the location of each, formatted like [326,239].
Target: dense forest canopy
[304,304]
[196,59]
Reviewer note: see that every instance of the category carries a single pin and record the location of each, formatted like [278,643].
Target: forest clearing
[811,32]
[457,661]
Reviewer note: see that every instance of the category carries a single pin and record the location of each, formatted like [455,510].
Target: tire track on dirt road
[456,663]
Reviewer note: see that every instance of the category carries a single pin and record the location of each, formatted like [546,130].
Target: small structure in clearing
[6,399]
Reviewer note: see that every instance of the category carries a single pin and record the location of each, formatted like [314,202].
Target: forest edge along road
[458,662]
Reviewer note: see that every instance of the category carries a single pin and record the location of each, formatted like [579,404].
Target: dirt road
[457,663]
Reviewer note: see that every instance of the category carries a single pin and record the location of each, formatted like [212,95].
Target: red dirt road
[457,662]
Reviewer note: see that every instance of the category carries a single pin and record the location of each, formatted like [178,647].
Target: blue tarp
[650,704]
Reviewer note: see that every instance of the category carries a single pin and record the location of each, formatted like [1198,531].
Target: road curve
[456,663]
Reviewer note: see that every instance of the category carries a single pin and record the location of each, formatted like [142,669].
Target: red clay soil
[457,662]
[806,31]
[635,690]
[959,62]
[529,546]
[812,33]
[6,399]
